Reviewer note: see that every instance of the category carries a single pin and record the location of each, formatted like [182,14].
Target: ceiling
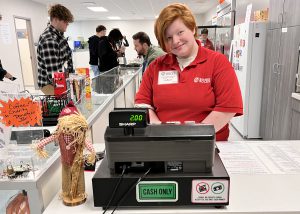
[126,9]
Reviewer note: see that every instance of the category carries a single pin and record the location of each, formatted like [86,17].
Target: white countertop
[296,96]
[249,192]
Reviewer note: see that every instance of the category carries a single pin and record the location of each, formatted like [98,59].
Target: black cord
[115,190]
[129,190]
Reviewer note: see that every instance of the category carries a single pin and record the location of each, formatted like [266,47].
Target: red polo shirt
[208,84]
[209,45]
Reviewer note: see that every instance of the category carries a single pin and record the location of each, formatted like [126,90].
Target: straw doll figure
[71,137]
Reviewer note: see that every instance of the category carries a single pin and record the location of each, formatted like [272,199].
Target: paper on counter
[261,157]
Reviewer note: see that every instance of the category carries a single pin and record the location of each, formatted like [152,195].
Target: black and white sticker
[210,191]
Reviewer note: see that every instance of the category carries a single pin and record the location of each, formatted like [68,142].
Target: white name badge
[167,77]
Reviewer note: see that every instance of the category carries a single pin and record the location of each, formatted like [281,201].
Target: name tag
[167,77]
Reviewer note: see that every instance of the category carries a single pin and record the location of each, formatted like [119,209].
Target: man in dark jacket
[108,50]
[94,46]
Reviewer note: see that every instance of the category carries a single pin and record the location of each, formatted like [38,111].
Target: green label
[157,191]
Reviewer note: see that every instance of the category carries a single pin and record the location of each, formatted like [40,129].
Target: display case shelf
[42,185]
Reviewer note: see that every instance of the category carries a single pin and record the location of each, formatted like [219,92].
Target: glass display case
[19,162]
[5,197]
[110,81]
[21,169]
[221,31]
[220,36]
[104,88]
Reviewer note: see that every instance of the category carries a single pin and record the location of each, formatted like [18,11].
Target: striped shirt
[53,52]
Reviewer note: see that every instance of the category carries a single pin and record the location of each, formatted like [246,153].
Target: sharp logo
[127,124]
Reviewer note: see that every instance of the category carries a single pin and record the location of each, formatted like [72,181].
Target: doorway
[26,52]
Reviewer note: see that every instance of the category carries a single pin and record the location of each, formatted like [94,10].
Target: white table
[267,192]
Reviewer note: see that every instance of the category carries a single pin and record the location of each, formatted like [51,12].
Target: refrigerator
[247,56]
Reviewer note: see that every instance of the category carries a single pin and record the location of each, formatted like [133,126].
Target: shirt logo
[127,124]
[201,80]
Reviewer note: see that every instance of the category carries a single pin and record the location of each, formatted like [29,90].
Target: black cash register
[159,165]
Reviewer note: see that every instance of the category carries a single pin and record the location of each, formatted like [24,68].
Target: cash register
[161,165]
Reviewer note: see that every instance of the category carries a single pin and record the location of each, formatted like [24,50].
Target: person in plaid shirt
[53,51]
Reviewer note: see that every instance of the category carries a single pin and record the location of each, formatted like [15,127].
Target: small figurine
[18,171]
[71,136]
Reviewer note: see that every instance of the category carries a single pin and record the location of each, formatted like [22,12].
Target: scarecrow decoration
[71,136]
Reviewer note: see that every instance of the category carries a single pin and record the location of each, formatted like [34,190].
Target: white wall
[207,17]
[241,6]
[26,62]
[86,29]
[199,19]
[37,13]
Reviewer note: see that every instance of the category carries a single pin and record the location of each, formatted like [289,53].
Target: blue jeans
[95,70]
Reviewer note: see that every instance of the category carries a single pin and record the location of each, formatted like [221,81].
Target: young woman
[190,83]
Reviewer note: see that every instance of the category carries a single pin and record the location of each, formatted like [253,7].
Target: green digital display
[136,118]
[129,117]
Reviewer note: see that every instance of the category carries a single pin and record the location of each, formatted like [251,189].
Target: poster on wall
[5,34]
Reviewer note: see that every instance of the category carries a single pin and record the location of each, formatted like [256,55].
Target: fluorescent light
[88,3]
[97,9]
[114,17]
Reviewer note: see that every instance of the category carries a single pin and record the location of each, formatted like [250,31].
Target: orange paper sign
[23,112]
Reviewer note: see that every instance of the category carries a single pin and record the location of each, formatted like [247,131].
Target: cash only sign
[157,191]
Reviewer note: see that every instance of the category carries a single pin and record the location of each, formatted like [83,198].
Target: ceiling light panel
[114,17]
[97,9]
[88,3]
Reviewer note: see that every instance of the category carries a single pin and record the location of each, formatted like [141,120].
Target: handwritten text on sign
[23,112]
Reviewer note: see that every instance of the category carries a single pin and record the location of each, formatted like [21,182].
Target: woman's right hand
[153,117]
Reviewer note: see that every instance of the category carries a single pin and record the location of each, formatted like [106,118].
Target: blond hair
[167,16]
[74,125]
